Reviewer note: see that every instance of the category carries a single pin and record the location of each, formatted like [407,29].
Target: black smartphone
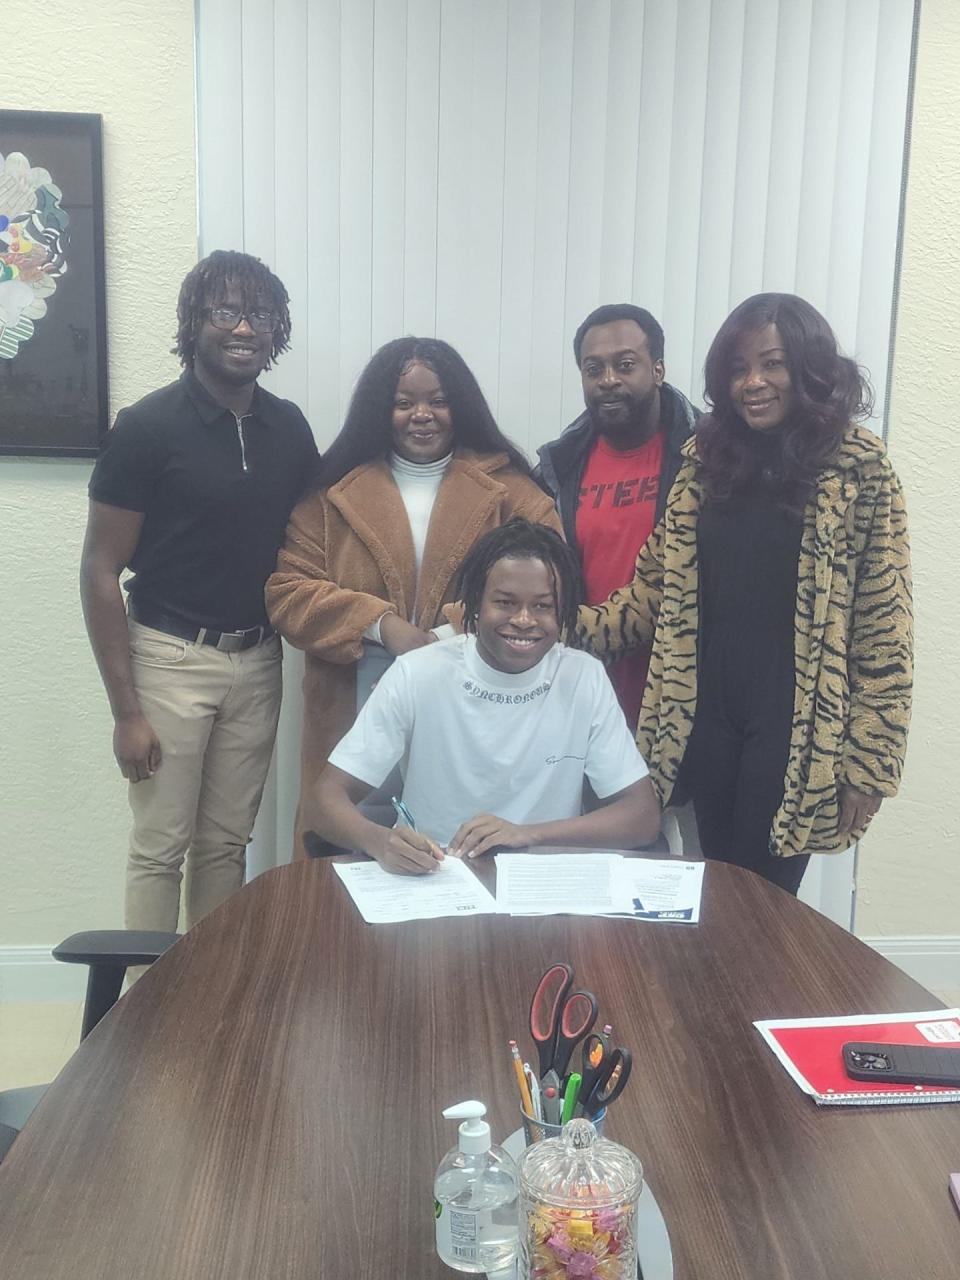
[903,1063]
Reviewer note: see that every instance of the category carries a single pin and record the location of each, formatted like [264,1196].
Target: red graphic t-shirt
[616,513]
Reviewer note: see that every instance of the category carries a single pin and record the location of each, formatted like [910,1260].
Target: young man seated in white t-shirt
[496,729]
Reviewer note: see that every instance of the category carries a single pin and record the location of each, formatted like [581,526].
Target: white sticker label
[458,1233]
[937,1032]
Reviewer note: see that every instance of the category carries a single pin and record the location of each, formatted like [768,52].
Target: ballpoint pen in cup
[533,1084]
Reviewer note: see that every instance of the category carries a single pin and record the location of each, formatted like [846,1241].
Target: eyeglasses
[230,317]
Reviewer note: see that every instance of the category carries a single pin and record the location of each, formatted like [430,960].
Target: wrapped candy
[578,1208]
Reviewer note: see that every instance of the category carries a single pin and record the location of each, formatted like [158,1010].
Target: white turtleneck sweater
[418,483]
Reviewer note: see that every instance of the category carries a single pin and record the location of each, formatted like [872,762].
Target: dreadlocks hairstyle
[830,392]
[366,432]
[612,311]
[206,286]
[520,539]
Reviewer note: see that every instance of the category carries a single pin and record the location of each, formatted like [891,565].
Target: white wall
[910,863]
[63,818]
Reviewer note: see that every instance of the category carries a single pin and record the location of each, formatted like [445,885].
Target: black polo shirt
[215,495]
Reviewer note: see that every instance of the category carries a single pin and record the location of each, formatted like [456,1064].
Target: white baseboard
[932,961]
[30,975]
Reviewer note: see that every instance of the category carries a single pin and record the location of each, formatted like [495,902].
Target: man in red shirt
[611,470]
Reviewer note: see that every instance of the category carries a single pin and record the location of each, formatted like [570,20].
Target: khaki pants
[216,717]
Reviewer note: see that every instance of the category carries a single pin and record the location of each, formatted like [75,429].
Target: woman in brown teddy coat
[418,472]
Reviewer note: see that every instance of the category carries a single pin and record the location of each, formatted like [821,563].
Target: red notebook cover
[811,1051]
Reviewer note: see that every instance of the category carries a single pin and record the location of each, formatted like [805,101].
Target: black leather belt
[225,641]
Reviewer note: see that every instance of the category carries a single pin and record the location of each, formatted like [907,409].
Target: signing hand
[485,832]
[405,851]
[856,809]
[137,748]
[399,636]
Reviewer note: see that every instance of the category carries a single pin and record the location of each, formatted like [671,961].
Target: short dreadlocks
[207,285]
[521,540]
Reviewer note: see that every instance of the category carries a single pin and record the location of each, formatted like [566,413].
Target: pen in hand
[403,813]
[403,848]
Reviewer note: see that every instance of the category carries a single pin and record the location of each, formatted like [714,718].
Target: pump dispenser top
[474,1133]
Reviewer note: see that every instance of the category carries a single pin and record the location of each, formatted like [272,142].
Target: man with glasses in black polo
[192,492]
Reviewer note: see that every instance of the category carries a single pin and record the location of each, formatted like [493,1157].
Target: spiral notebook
[811,1051]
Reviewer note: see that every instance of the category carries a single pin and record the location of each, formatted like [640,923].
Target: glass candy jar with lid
[578,1208]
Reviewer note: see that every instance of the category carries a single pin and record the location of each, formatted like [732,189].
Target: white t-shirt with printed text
[471,739]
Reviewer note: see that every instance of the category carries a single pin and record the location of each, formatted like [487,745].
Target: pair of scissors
[605,1072]
[559,1019]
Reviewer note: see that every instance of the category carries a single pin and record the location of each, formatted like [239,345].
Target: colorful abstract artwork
[53,359]
[33,237]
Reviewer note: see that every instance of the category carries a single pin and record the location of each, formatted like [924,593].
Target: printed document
[546,884]
[599,884]
[663,889]
[382,897]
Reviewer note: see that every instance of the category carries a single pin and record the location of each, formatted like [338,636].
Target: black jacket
[562,461]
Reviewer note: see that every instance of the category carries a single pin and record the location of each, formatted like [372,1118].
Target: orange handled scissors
[605,1072]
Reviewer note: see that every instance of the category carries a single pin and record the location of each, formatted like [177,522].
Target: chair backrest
[7,1136]
[107,953]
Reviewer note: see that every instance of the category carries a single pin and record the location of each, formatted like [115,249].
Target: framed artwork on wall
[53,319]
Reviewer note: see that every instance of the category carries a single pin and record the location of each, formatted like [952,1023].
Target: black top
[216,494]
[748,550]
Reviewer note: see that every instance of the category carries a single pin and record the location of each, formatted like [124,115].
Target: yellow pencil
[525,1100]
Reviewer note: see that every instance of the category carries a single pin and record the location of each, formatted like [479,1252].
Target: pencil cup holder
[537,1130]
[578,1207]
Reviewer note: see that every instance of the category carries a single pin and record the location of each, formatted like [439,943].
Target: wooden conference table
[266,1101]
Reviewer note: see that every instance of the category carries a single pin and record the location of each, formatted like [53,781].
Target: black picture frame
[53,381]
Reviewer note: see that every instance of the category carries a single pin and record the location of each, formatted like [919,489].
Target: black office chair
[7,1136]
[108,953]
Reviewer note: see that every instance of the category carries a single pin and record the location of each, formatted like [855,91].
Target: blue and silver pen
[403,813]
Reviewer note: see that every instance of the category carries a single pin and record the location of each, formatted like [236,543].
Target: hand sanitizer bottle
[475,1198]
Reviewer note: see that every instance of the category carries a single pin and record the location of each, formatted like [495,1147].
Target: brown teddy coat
[349,558]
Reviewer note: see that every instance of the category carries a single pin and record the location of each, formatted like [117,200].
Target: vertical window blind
[488,171]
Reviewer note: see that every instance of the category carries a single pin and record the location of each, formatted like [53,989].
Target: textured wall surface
[62,806]
[909,880]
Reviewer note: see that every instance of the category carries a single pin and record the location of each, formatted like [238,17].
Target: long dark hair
[365,434]
[521,539]
[830,391]
[206,286]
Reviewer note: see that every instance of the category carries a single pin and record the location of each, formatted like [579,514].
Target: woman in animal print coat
[776,593]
